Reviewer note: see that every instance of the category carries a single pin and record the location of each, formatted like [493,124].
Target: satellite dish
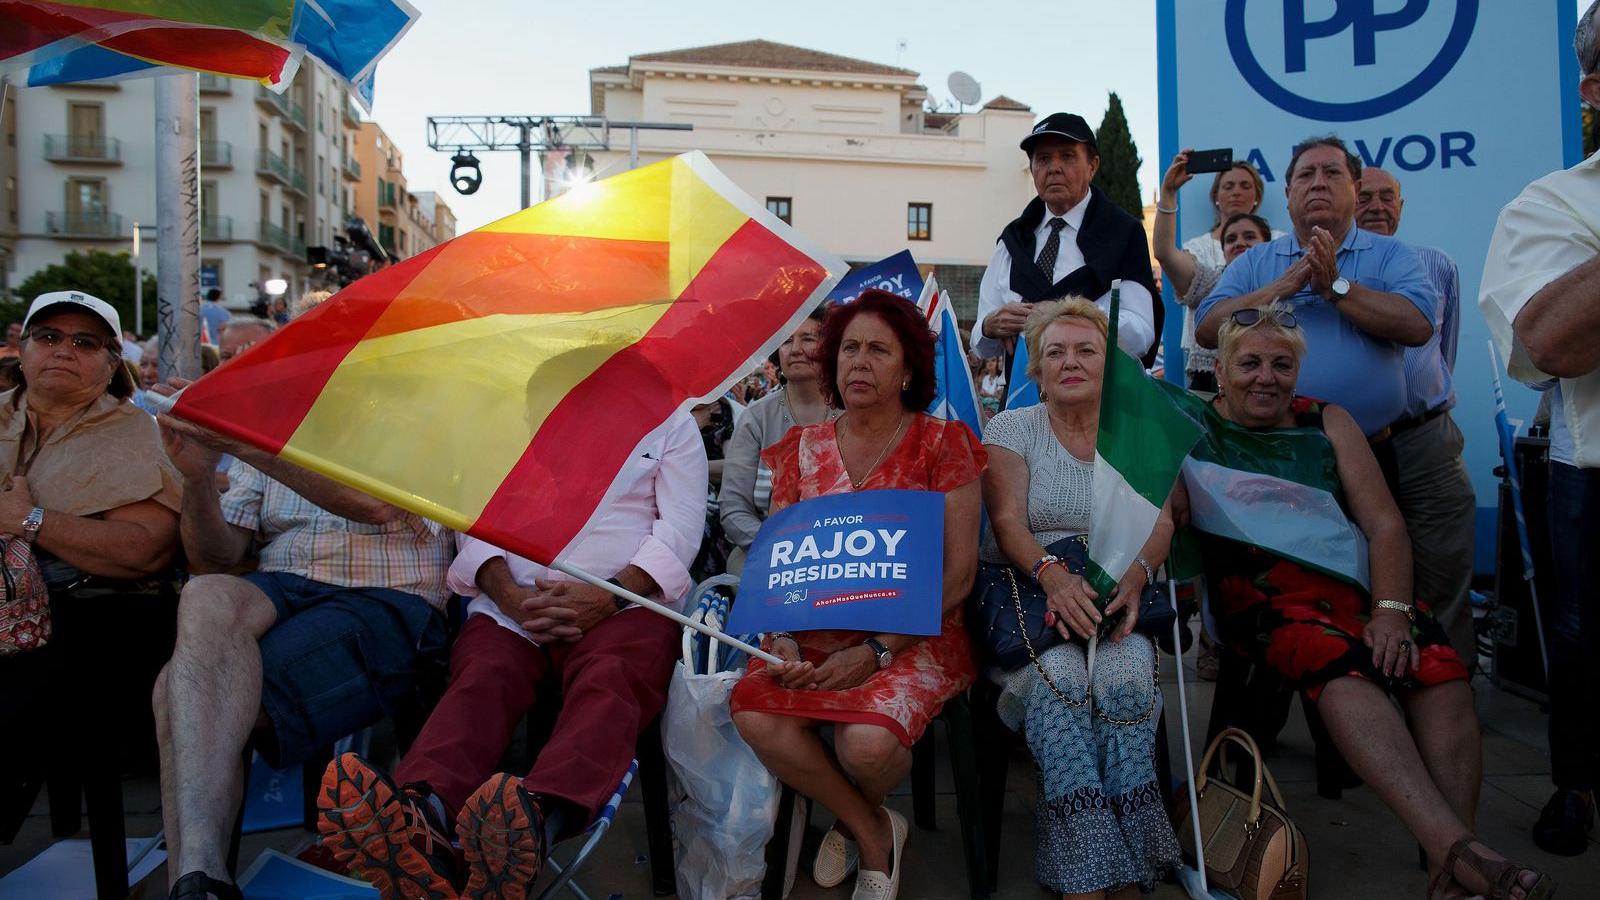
[965,89]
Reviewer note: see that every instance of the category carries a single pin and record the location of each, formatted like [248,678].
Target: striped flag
[957,397]
[1145,433]
[497,383]
[242,38]
[1271,490]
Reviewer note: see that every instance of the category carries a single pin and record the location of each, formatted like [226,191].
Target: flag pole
[165,404]
[661,610]
[1188,749]
[1508,454]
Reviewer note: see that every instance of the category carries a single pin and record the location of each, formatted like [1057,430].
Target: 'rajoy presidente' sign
[868,561]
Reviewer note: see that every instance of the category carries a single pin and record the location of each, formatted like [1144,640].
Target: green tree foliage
[1119,160]
[108,276]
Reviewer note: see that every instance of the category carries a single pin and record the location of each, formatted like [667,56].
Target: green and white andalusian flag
[1145,433]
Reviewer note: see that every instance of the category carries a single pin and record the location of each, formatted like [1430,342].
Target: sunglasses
[1248,317]
[83,342]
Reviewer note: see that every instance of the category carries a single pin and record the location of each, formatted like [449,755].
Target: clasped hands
[1318,268]
[840,671]
[1070,608]
[556,611]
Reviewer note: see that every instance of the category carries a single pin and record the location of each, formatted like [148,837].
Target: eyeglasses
[82,341]
[1252,315]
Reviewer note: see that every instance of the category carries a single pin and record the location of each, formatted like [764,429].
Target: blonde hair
[1270,324]
[306,301]
[1050,312]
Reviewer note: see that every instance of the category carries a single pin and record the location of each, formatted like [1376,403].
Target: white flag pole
[1188,749]
[660,610]
[165,404]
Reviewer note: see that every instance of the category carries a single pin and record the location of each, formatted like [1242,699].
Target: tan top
[106,456]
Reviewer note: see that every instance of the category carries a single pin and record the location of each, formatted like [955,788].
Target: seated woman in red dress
[879,690]
[1273,489]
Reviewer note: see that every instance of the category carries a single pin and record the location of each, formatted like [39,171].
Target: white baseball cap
[105,311]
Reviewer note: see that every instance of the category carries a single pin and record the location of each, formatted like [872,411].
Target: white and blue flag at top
[957,398]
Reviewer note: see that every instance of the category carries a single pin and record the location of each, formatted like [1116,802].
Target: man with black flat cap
[1069,240]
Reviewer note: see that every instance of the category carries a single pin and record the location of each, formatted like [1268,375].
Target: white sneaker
[836,858]
[872,885]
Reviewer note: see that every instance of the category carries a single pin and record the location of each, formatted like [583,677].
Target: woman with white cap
[88,494]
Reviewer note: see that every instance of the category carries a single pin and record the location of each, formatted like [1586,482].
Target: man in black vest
[1070,240]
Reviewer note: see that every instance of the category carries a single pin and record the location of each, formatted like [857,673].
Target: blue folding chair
[591,835]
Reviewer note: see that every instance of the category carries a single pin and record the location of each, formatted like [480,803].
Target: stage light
[465,174]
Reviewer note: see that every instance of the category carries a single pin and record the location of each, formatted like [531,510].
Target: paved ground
[1358,849]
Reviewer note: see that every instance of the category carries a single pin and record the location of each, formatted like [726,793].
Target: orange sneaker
[502,840]
[390,837]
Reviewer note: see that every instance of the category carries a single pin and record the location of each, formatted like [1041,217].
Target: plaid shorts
[338,659]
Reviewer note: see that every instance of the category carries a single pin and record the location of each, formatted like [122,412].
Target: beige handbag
[1251,846]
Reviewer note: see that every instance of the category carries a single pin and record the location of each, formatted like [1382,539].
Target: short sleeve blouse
[1060,486]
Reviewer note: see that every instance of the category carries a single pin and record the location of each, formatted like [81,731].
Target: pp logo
[1365,24]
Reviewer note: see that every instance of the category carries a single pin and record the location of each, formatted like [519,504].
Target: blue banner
[868,561]
[1020,389]
[897,274]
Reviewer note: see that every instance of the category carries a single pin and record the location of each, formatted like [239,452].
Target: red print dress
[934,455]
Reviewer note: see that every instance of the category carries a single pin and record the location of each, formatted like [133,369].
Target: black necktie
[1052,247]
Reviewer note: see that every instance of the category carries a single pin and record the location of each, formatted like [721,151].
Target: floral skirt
[1099,817]
[903,698]
[1307,626]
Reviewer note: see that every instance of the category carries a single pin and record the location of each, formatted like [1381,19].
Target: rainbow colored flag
[497,383]
[240,38]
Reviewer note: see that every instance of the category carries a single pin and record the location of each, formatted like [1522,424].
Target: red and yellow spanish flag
[497,383]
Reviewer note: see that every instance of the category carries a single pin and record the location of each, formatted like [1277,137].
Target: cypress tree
[1119,160]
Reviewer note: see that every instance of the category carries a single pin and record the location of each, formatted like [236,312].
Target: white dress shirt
[1136,329]
[654,520]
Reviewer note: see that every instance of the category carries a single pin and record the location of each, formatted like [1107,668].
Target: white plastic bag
[725,799]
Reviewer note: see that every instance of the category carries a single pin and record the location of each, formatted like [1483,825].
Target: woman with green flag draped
[1286,495]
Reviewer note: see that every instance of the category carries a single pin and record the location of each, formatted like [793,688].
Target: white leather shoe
[872,885]
[836,858]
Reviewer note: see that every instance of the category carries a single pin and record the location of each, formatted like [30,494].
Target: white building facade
[841,148]
[276,175]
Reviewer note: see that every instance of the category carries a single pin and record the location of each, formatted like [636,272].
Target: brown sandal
[1503,875]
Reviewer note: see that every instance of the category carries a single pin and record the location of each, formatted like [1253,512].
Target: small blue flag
[897,274]
[957,397]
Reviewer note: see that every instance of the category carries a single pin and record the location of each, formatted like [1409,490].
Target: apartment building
[404,223]
[279,173]
[844,149]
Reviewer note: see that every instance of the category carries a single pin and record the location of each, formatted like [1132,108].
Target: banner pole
[661,610]
[1188,750]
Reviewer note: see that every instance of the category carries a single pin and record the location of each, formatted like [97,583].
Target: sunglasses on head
[1248,317]
[82,341]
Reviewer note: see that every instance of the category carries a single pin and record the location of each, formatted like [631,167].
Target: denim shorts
[338,659]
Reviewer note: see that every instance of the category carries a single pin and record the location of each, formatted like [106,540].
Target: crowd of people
[259,604]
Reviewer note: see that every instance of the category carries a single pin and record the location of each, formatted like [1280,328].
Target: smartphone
[1201,161]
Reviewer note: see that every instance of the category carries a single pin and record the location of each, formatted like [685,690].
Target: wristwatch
[885,656]
[32,524]
[1396,606]
[1339,290]
[621,603]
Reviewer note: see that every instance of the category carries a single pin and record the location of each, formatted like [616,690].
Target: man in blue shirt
[215,315]
[1435,493]
[1362,298]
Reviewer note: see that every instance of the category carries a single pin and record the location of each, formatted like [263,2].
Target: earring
[905,385]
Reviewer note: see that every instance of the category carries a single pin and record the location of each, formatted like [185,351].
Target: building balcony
[389,200]
[278,239]
[215,84]
[272,100]
[297,182]
[216,155]
[272,166]
[85,224]
[74,148]
[352,116]
[352,169]
[216,228]
[295,115]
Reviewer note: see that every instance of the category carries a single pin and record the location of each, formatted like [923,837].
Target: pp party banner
[897,274]
[867,561]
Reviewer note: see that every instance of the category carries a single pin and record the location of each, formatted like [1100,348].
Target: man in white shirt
[526,622]
[1071,240]
[1541,297]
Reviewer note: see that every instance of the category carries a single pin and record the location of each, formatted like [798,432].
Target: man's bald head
[1378,201]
